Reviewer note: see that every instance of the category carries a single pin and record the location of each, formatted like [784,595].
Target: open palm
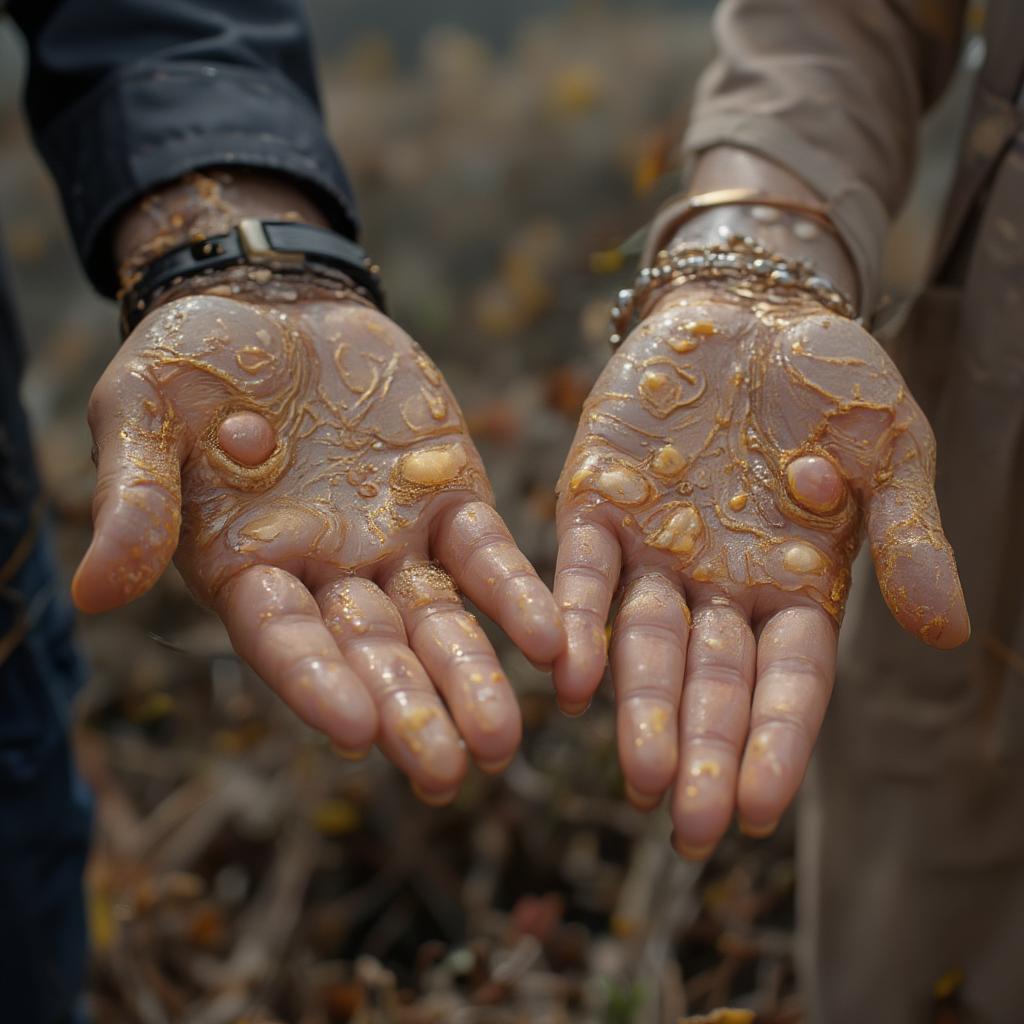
[322,478]
[725,463]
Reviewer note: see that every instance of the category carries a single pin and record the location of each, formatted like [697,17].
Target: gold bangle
[694,205]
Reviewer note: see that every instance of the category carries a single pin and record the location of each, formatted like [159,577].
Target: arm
[292,448]
[736,446]
[830,95]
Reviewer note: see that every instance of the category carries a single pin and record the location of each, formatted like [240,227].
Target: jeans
[45,808]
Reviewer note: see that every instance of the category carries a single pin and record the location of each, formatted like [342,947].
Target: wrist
[784,232]
[743,267]
[202,205]
[259,286]
[797,227]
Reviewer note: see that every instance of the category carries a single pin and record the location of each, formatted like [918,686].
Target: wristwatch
[281,246]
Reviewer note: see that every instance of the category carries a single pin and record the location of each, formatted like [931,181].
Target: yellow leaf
[606,262]
[336,817]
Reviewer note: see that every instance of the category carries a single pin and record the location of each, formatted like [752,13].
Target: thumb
[139,447]
[914,562]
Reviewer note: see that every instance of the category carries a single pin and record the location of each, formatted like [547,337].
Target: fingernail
[573,710]
[748,828]
[496,767]
[642,801]
[351,753]
[438,799]
[691,852]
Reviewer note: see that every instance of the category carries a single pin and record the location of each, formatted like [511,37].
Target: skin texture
[726,465]
[307,467]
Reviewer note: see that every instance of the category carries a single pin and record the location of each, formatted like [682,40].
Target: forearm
[831,90]
[127,96]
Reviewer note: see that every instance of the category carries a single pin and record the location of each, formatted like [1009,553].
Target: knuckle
[644,634]
[646,694]
[775,720]
[708,736]
[720,674]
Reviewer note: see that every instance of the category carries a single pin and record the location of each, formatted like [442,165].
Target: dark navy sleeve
[126,95]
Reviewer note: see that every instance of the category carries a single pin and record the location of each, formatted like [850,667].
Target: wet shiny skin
[319,473]
[725,466]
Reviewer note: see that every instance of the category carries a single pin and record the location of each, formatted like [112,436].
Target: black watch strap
[282,246]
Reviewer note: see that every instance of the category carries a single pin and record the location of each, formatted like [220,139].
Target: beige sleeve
[832,90]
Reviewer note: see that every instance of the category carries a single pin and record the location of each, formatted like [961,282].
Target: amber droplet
[623,486]
[652,381]
[432,467]
[678,532]
[265,528]
[700,327]
[682,344]
[803,558]
[667,461]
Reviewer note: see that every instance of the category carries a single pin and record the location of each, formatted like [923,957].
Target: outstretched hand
[725,463]
[310,471]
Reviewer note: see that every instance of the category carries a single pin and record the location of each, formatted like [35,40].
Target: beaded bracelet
[741,260]
[243,281]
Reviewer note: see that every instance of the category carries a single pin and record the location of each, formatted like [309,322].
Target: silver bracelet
[752,269]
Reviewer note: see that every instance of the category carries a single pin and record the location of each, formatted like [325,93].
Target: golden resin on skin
[423,583]
[621,485]
[706,767]
[682,344]
[761,747]
[252,359]
[651,726]
[668,462]
[412,723]
[267,528]
[704,328]
[298,442]
[666,387]
[742,459]
[678,531]
[433,467]
[800,557]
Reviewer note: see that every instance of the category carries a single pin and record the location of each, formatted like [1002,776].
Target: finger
[796,659]
[586,575]
[648,656]
[459,659]
[474,544]
[137,502]
[914,563]
[416,731]
[713,725]
[276,626]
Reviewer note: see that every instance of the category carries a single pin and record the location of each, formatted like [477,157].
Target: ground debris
[243,873]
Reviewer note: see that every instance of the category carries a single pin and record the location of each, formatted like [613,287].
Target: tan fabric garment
[912,827]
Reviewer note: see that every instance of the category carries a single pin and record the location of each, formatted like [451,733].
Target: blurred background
[503,156]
